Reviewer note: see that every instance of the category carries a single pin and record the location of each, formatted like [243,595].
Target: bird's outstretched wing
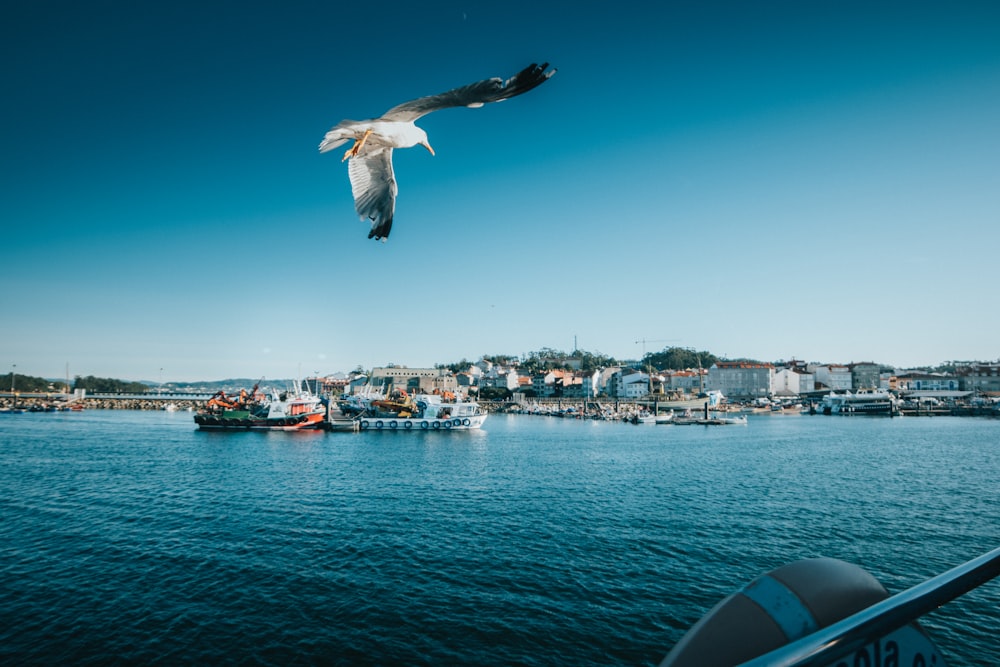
[374,188]
[473,95]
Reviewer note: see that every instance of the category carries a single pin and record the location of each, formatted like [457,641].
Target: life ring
[437,424]
[364,423]
[407,424]
[424,424]
[466,422]
[378,424]
[448,424]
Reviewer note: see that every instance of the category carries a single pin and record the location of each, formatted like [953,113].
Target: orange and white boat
[262,411]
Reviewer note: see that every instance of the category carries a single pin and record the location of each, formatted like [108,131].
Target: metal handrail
[842,638]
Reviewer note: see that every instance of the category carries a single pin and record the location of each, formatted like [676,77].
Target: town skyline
[632,362]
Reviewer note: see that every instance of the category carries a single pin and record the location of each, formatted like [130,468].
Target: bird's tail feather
[333,138]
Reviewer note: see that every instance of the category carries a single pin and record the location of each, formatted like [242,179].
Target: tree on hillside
[547,359]
[30,384]
[95,385]
[679,358]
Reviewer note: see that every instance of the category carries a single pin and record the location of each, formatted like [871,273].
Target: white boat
[665,418]
[861,403]
[643,418]
[738,420]
[421,412]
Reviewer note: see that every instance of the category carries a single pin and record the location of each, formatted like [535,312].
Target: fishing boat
[262,411]
[399,411]
[643,418]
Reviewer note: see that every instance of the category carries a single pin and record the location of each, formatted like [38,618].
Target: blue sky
[817,180]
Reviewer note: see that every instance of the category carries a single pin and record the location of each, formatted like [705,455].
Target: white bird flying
[370,168]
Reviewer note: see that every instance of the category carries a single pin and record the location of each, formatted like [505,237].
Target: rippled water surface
[130,537]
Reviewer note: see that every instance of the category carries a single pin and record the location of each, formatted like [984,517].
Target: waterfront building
[741,380]
[501,378]
[633,385]
[589,383]
[864,375]
[921,381]
[834,376]
[605,381]
[982,378]
[427,380]
[793,382]
[571,386]
[686,382]
[548,383]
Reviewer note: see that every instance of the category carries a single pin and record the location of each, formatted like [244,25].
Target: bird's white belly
[397,134]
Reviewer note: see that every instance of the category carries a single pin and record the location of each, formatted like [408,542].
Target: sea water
[131,537]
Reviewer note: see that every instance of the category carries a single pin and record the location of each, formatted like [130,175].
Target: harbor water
[133,538]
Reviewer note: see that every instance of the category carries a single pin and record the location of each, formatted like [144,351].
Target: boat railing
[826,646]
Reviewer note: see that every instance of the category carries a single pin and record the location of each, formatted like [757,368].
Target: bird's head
[422,140]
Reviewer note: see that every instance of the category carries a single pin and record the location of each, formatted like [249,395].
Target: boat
[399,411]
[861,403]
[665,418]
[643,418]
[262,411]
[738,420]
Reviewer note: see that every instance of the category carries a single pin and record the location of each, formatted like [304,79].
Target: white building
[834,376]
[793,382]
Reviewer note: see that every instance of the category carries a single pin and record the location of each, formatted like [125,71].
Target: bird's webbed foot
[358,145]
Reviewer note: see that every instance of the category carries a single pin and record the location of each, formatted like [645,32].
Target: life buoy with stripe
[789,603]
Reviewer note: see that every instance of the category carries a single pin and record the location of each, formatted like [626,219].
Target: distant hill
[228,385]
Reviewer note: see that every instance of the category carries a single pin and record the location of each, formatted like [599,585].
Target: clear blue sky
[818,180]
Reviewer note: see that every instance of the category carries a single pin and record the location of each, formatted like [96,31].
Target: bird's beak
[427,146]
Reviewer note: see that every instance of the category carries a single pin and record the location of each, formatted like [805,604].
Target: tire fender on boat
[393,424]
[784,605]
[364,423]
[407,424]
[466,422]
[378,423]
[437,424]
[447,423]
[424,424]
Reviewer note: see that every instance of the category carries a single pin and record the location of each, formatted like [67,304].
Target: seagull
[370,168]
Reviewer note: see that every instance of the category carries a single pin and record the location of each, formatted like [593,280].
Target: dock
[336,420]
